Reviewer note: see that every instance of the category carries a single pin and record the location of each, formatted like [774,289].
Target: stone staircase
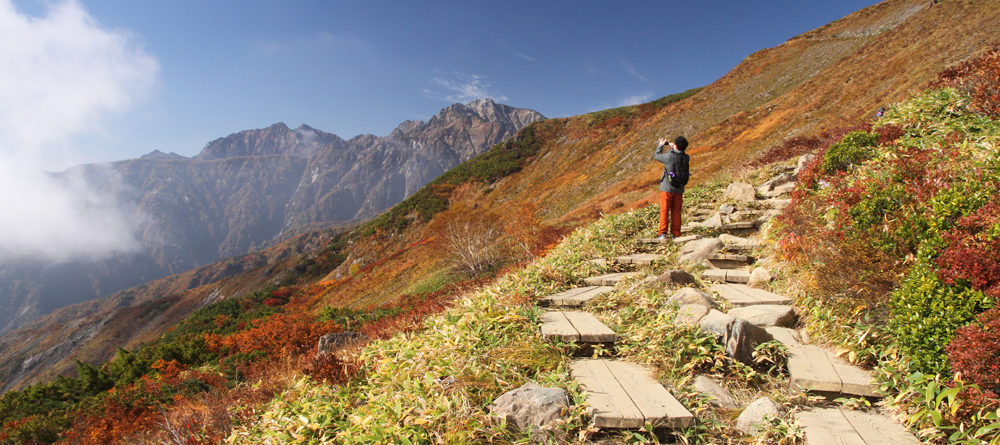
[625,395]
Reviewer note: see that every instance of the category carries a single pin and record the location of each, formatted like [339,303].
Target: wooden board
[625,395]
[610,405]
[714,275]
[609,279]
[640,259]
[726,275]
[656,404]
[828,426]
[576,296]
[877,428]
[745,225]
[856,381]
[556,327]
[810,369]
[591,329]
[741,295]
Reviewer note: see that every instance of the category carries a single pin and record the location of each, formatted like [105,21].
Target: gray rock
[677,277]
[766,315]
[713,222]
[720,397]
[690,313]
[330,343]
[699,250]
[727,209]
[531,407]
[740,192]
[751,417]
[741,337]
[732,239]
[760,277]
[803,161]
[777,181]
[690,295]
[716,322]
[780,190]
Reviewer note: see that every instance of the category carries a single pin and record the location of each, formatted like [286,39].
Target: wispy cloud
[457,86]
[635,100]
[61,80]
[627,65]
[321,40]
[523,56]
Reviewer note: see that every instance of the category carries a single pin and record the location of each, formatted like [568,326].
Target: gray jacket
[675,170]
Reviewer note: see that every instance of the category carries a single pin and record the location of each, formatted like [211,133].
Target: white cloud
[61,75]
[627,65]
[636,99]
[524,56]
[461,87]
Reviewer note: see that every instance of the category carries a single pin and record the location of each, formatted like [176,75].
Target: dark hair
[681,143]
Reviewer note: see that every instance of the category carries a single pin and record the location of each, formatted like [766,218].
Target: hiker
[675,177]
[880,112]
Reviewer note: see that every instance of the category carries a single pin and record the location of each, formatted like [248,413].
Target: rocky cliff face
[248,189]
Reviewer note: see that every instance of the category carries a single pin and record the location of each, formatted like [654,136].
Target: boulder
[716,322]
[741,337]
[804,160]
[691,313]
[330,343]
[766,315]
[740,192]
[751,417]
[713,222]
[531,406]
[699,250]
[777,181]
[719,396]
[760,277]
[727,209]
[781,190]
[690,295]
[676,277]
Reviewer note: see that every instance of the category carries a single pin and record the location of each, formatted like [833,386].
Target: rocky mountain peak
[157,154]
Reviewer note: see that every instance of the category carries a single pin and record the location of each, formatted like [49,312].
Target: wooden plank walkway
[576,297]
[575,327]
[728,261]
[625,395]
[812,368]
[829,426]
[609,279]
[726,275]
[640,259]
[741,295]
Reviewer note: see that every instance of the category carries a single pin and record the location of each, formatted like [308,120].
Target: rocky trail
[739,312]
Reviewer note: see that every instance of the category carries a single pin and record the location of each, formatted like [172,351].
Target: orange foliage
[284,334]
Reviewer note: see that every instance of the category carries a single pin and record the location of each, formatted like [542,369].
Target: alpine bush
[855,147]
[975,351]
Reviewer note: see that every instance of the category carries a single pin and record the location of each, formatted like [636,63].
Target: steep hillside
[248,190]
[559,173]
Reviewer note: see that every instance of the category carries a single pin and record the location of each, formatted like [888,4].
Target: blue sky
[210,68]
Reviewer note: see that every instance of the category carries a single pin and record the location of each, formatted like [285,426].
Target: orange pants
[670,203]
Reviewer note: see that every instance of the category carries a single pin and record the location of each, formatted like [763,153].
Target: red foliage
[331,368]
[974,352]
[980,78]
[274,302]
[285,334]
[111,423]
[973,250]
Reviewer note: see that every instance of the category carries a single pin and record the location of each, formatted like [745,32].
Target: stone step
[575,327]
[726,275]
[625,395]
[831,426]
[641,259]
[812,368]
[668,239]
[575,297]
[728,261]
[742,247]
[766,315]
[740,226]
[777,203]
[610,279]
[741,295]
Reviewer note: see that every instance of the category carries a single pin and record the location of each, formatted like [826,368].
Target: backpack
[680,178]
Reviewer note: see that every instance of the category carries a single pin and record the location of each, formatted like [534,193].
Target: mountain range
[248,190]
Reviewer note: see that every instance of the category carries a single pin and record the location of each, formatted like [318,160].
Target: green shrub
[926,313]
[856,146]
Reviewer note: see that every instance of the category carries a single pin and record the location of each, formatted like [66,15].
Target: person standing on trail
[675,177]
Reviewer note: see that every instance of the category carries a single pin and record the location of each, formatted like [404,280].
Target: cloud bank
[61,75]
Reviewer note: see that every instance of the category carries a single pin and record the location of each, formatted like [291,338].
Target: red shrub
[286,334]
[331,368]
[980,78]
[973,250]
[975,352]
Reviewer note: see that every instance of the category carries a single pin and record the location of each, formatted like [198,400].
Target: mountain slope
[572,170]
[248,190]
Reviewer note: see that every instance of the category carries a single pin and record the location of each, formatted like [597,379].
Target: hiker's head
[681,143]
